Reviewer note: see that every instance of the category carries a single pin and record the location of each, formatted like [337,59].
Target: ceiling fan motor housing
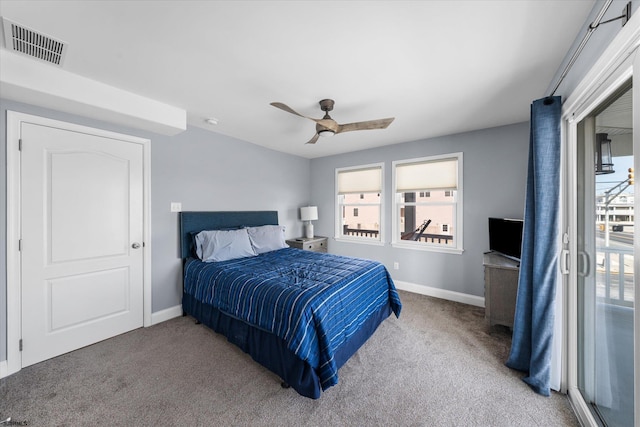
[326,104]
[323,131]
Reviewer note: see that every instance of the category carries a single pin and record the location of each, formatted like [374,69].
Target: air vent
[19,38]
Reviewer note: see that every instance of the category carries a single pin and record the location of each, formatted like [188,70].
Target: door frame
[14,188]
[611,70]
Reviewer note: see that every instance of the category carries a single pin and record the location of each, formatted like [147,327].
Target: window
[432,221]
[359,202]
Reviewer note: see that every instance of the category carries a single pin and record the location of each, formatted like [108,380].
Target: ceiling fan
[326,126]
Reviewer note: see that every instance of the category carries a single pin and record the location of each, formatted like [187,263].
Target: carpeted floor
[438,365]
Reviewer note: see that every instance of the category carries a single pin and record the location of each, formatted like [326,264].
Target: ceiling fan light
[326,132]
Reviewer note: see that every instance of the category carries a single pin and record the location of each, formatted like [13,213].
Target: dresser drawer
[316,244]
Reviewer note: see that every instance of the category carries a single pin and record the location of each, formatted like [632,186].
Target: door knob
[135,245]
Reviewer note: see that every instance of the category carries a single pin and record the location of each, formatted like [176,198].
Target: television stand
[500,288]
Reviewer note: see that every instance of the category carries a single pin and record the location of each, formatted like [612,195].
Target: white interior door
[82,239]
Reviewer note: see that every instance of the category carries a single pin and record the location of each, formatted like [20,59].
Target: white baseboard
[440,293]
[166,314]
[4,369]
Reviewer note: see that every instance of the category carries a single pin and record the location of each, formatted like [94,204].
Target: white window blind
[430,175]
[360,181]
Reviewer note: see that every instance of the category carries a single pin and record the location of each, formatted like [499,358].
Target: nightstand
[314,244]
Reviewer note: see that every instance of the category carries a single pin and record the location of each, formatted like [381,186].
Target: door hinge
[20,245]
[20,344]
[20,144]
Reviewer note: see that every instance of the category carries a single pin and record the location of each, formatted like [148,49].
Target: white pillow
[267,238]
[223,245]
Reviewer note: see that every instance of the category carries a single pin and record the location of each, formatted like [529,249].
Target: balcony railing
[436,238]
[427,238]
[614,276]
[360,232]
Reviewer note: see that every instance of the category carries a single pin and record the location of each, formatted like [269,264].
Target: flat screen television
[505,236]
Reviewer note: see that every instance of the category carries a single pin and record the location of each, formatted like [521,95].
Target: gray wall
[207,171]
[201,169]
[494,177]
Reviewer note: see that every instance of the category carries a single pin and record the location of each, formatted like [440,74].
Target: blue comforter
[313,301]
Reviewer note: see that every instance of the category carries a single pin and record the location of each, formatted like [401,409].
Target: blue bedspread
[313,301]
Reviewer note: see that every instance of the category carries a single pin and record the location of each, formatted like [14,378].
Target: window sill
[417,247]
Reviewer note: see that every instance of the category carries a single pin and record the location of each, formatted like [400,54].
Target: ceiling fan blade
[288,109]
[371,124]
[326,123]
[314,139]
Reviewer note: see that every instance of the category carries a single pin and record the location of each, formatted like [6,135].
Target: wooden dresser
[500,288]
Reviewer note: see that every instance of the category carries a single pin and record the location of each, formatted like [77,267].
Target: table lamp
[309,213]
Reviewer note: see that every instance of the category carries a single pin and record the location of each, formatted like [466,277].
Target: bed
[300,314]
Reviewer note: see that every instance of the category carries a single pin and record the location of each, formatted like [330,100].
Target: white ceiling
[438,67]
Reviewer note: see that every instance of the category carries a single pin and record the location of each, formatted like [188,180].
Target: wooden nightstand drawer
[315,244]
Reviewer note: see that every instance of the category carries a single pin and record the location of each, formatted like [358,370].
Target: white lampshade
[309,213]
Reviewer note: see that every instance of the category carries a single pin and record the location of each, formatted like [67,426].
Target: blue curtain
[534,318]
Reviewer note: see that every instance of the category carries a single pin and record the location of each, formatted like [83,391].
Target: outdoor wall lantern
[604,161]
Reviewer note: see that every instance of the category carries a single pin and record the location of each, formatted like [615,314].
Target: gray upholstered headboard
[194,222]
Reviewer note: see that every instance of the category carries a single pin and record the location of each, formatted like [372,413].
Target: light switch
[176,207]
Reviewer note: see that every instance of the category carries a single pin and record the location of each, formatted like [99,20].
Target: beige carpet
[438,365]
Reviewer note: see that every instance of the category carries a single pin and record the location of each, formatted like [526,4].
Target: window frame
[338,236]
[457,246]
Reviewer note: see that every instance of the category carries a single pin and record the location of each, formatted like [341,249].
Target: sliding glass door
[601,252]
[605,223]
